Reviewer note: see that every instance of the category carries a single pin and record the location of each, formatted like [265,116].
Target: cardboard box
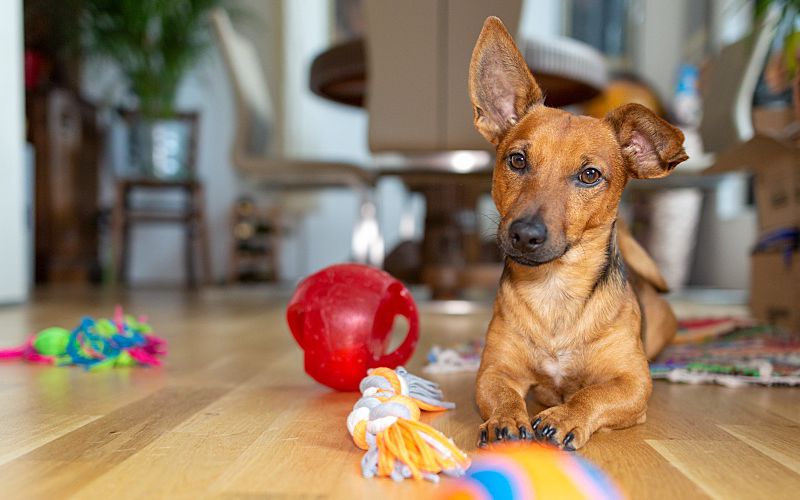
[772,120]
[776,167]
[777,191]
[775,289]
[775,277]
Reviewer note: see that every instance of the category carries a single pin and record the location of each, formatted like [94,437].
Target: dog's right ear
[501,86]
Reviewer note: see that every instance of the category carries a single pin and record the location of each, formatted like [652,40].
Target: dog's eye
[589,176]
[516,161]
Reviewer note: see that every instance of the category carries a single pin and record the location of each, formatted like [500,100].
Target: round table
[568,71]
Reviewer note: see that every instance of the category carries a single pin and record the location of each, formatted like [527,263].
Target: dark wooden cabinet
[64,132]
[65,135]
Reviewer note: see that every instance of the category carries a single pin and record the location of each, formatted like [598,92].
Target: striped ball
[528,471]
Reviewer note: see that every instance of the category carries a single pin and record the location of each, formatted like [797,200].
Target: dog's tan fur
[567,320]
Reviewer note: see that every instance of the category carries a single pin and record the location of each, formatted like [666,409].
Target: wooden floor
[232,414]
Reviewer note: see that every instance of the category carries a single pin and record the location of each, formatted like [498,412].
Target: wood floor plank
[729,469]
[779,401]
[19,436]
[678,411]
[303,439]
[780,443]
[189,458]
[638,469]
[305,435]
[64,465]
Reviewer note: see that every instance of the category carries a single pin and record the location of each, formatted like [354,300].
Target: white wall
[15,249]
[661,39]
[542,18]
[731,20]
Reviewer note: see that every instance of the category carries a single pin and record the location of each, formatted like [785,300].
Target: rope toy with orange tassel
[385,423]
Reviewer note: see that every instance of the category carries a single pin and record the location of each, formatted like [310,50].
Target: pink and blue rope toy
[95,344]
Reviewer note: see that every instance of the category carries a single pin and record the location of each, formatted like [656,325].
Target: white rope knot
[386,419]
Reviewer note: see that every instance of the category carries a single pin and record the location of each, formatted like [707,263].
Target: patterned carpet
[726,351]
[730,352]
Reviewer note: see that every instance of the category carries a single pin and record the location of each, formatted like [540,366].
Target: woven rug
[730,352]
[727,351]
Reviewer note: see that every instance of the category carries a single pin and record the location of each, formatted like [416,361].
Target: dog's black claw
[523,432]
[506,434]
[536,423]
[484,439]
[568,442]
[543,432]
[568,439]
[497,435]
[551,431]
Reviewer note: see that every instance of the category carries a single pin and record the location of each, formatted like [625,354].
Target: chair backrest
[418,54]
[731,81]
[255,115]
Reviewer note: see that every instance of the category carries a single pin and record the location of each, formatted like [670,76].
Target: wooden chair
[191,214]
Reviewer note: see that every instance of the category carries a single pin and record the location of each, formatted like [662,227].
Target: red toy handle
[404,306]
[295,317]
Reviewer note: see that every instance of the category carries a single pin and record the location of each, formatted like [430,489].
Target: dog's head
[557,175]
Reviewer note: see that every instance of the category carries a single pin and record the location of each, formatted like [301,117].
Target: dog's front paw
[504,428]
[561,427]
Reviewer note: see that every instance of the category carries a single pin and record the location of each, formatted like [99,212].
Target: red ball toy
[342,317]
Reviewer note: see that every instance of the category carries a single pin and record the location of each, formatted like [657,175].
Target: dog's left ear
[652,147]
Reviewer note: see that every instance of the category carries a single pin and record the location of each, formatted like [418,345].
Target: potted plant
[781,78]
[154,43]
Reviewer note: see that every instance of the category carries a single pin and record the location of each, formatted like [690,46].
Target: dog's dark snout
[527,234]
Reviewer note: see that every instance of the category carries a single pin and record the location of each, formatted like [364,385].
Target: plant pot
[160,147]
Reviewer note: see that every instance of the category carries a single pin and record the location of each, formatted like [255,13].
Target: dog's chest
[551,305]
[559,366]
[555,368]
[556,323]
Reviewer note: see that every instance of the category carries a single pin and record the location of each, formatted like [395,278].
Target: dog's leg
[618,403]
[503,381]
[502,406]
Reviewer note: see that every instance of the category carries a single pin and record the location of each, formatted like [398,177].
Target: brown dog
[568,318]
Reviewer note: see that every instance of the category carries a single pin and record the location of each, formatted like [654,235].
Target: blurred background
[157,143]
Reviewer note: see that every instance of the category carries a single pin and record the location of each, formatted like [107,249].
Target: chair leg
[189,243]
[233,257]
[125,255]
[276,222]
[205,249]
[119,231]
[205,256]
[197,236]
[367,244]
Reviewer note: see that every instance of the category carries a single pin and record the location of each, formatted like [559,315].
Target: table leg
[451,242]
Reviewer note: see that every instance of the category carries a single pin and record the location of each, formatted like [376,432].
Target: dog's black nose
[527,234]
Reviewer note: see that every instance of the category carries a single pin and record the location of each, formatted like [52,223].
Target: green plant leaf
[153,42]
